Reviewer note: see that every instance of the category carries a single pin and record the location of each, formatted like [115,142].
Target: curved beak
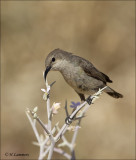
[48,68]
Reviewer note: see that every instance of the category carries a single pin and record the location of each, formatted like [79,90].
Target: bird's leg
[89,100]
[82,97]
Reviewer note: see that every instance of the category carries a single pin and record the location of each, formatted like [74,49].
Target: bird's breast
[80,81]
[76,78]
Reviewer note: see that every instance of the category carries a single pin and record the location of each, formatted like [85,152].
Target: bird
[79,73]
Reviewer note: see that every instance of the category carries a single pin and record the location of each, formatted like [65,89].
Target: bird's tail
[112,93]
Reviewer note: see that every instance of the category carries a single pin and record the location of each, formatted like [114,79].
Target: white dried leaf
[55,108]
[71,128]
[42,89]
[35,115]
[35,109]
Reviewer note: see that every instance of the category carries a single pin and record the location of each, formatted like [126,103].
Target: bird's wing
[91,71]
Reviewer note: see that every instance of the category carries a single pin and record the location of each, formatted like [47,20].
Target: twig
[48,106]
[51,149]
[33,126]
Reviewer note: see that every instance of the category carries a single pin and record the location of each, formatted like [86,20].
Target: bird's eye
[53,59]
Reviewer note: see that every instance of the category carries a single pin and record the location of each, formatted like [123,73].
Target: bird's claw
[89,100]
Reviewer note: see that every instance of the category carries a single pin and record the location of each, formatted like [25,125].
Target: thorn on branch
[66,109]
[48,96]
[68,120]
[52,83]
[79,118]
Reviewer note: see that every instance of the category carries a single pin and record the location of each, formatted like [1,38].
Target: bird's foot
[89,100]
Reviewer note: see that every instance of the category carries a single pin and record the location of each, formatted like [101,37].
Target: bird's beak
[48,68]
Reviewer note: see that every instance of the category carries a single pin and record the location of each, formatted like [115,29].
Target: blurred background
[102,32]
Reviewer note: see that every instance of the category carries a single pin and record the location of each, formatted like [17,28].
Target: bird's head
[56,61]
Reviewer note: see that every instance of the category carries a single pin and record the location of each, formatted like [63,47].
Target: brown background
[100,31]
